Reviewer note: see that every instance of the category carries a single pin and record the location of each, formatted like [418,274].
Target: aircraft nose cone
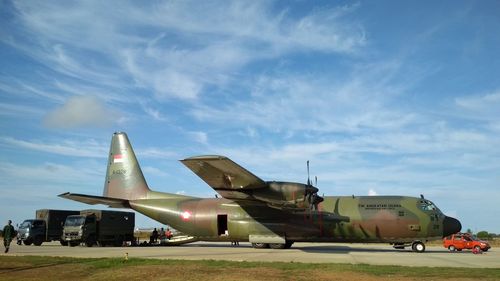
[451,226]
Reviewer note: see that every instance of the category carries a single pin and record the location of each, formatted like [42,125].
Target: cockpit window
[427,205]
[25,224]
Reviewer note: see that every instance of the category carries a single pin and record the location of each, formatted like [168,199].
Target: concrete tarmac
[375,254]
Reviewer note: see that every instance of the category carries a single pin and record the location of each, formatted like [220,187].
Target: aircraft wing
[93,200]
[222,174]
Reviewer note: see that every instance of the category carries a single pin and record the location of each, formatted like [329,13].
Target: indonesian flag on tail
[118,158]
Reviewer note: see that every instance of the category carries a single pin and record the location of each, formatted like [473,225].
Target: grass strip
[24,263]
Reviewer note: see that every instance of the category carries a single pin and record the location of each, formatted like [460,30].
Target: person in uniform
[8,234]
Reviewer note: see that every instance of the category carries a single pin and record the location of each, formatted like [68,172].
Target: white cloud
[89,148]
[153,152]
[479,102]
[86,148]
[85,41]
[81,111]
[106,94]
[372,192]
[290,102]
[153,171]
[7,109]
[15,87]
[153,112]
[250,132]
[200,137]
[49,173]
[176,84]
[479,107]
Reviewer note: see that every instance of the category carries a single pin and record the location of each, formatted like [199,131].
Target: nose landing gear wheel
[418,247]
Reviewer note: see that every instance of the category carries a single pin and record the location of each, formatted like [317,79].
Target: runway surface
[376,254]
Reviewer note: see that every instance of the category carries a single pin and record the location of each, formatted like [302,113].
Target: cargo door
[222,225]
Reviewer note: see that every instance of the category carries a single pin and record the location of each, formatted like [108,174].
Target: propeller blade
[308,179]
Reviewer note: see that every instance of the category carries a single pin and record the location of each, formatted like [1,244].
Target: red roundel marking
[186,215]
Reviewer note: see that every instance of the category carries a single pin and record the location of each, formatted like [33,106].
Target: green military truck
[99,227]
[47,226]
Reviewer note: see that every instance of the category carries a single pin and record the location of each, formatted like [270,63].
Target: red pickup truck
[460,241]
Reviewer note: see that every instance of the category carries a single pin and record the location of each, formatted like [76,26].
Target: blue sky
[383,97]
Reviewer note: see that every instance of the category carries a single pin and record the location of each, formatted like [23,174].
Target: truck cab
[75,229]
[31,232]
[99,227]
[460,241]
[45,227]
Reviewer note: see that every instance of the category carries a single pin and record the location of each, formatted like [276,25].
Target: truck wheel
[38,241]
[418,247]
[451,248]
[73,244]
[64,243]
[260,245]
[27,242]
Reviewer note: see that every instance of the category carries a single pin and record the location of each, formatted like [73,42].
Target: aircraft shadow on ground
[340,249]
[346,249]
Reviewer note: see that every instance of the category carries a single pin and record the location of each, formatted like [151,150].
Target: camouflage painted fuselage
[269,213]
[337,219]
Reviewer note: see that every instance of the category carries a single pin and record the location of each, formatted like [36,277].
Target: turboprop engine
[288,195]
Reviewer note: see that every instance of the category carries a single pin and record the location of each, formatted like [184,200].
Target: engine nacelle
[288,195]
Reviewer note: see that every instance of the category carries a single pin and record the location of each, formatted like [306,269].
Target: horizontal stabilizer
[93,200]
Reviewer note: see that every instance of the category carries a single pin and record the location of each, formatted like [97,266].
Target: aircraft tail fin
[124,178]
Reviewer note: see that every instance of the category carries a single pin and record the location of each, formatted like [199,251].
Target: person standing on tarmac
[8,234]
[161,234]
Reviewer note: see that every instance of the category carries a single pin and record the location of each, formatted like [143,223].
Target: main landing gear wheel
[260,245]
[418,247]
[286,245]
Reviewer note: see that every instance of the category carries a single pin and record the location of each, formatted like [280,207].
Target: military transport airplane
[267,213]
